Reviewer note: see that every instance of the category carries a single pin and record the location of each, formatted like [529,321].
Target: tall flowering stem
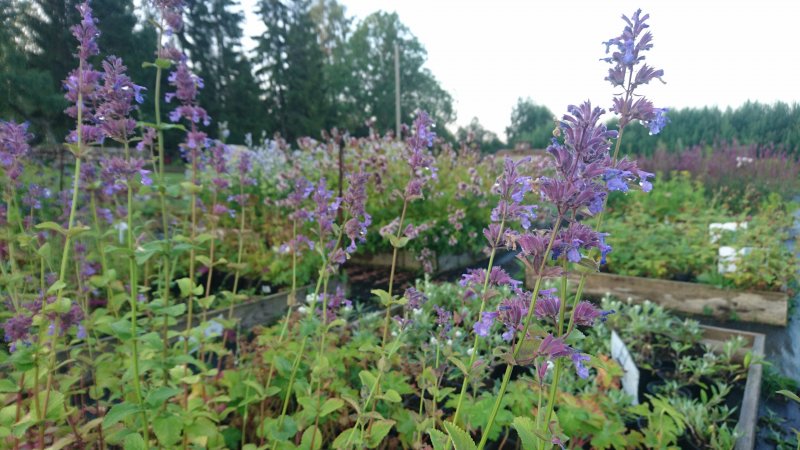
[420,163]
[518,347]
[511,187]
[118,97]
[630,48]
[81,87]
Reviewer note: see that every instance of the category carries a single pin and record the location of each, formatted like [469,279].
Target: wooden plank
[693,298]
[748,410]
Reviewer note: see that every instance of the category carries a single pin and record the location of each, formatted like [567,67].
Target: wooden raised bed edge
[770,308]
[748,410]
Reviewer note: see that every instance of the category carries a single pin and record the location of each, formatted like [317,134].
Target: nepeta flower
[354,203]
[497,277]
[117,97]
[580,369]
[548,305]
[14,148]
[444,319]
[171,11]
[586,313]
[512,188]
[415,298]
[659,120]
[187,85]
[82,83]
[631,46]
[117,174]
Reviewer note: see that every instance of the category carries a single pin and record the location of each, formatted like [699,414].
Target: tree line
[312,69]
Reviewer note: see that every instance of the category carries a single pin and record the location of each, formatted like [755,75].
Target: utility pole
[397,90]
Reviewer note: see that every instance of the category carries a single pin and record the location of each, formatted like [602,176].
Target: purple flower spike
[86,33]
[14,148]
[444,319]
[415,298]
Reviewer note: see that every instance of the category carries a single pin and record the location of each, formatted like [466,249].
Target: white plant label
[630,379]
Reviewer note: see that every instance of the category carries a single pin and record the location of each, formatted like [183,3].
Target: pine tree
[291,66]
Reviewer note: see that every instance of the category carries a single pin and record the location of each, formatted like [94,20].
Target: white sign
[630,379]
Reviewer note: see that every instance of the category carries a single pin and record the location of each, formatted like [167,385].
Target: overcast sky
[489,53]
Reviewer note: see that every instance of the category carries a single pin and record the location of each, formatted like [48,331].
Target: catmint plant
[586,172]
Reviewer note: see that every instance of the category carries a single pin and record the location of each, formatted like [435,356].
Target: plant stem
[239,254]
[391,273]
[518,347]
[101,249]
[476,340]
[162,194]
[134,287]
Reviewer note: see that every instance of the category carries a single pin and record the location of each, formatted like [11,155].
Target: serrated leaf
[526,430]
[119,412]
[134,441]
[438,439]
[311,433]
[158,396]
[330,405]
[379,430]
[461,439]
[458,363]
[391,396]
[168,429]
[344,438]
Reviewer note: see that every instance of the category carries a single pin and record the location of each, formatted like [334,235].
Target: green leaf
[311,433]
[383,296]
[330,405]
[7,385]
[51,226]
[526,430]
[163,63]
[379,430]
[167,429]
[789,394]
[611,434]
[57,286]
[119,412]
[55,406]
[185,286]
[134,441]
[344,437]
[438,439]
[458,363]
[398,242]
[461,439]
[160,395]
[367,379]
[391,396]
